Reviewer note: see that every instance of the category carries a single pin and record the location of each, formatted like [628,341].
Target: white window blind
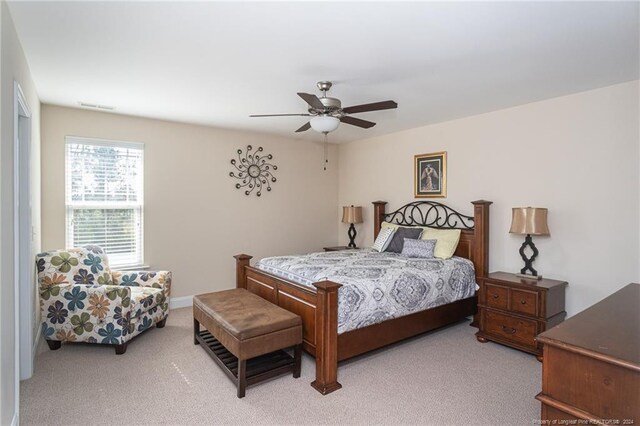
[104,198]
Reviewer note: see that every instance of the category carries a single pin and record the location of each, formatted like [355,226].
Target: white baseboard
[180,302]
[34,350]
[14,421]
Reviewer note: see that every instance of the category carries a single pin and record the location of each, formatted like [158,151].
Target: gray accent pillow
[395,246]
[419,248]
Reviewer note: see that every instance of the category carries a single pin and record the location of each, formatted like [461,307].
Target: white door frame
[23,239]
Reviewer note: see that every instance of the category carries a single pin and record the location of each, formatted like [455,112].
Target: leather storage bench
[246,335]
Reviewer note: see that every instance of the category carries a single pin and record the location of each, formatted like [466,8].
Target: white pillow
[384,238]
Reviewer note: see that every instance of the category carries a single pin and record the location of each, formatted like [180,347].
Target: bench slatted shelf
[258,369]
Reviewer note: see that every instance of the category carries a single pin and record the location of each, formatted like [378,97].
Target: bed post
[242,260]
[481,231]
[378,216]
[326,337]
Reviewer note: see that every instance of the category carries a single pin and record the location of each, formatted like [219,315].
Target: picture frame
[430,175]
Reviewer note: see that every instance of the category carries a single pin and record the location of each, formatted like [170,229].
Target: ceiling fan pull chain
[326,151]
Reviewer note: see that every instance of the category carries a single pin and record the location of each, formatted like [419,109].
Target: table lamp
[529,221]
[352,215]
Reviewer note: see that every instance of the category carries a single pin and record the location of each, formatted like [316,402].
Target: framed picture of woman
[430,175]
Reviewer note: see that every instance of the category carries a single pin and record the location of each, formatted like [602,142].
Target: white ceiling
[216,63]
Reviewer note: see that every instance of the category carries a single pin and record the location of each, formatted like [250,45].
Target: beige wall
[195,218]
[576,155]
[13,67]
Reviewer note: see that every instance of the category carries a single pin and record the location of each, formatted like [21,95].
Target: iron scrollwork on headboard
[429,213]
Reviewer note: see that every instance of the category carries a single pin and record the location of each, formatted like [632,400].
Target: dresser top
[507,277]
[610,329]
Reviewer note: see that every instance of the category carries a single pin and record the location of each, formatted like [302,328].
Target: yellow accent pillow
[389,225]
[447,241]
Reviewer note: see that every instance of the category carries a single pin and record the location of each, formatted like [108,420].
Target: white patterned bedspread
[378,286]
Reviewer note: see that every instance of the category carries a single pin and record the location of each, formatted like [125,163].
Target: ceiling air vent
[96,106]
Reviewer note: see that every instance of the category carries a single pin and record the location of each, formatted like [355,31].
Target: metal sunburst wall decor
[253,170]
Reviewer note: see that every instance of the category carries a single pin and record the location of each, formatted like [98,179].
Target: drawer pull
[495,296]
[524,302]
[508,330]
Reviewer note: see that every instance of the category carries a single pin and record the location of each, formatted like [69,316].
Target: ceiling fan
[327,113]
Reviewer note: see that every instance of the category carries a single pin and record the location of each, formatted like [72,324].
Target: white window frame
[69,206]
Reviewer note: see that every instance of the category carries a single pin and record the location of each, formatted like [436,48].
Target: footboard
[318,310]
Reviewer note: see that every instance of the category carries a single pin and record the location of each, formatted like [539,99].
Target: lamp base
[528,261]
[352,236]
[529,276]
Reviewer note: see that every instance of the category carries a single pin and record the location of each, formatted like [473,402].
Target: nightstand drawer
[511,328]
[496,296]
[524,301]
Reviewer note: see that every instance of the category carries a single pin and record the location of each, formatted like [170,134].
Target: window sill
[129,267]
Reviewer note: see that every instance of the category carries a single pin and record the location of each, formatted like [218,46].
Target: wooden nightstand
[336,248]
[514,310]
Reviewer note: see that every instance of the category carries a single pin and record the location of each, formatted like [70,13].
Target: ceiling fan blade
[280,115]
[357,122]
[376,106]
[306,126]
[312,100]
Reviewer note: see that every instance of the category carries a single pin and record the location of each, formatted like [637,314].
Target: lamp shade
[529,220]
[351,214]
[324,123]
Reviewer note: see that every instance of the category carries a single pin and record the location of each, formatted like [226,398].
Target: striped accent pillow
[384,238]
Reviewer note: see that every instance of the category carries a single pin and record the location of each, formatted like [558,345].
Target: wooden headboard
[474,238]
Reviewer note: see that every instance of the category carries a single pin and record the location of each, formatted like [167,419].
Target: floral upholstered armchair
[83,300]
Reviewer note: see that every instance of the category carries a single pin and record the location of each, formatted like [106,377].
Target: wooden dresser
[514,310]
[591,367]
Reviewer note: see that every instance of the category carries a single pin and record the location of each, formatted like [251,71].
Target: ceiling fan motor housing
[330,105]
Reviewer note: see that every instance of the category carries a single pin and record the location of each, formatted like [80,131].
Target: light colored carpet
[443,377]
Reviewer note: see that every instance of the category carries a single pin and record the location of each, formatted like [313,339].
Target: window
[104,197]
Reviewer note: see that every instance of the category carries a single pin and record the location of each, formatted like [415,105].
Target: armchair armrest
[82,312]
[156,279]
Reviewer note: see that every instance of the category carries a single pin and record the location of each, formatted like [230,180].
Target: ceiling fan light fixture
[324,123]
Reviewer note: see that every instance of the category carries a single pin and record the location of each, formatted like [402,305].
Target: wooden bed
[319,308]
